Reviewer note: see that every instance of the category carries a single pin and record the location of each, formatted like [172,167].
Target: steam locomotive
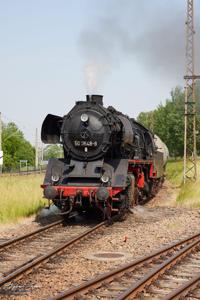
[111,162]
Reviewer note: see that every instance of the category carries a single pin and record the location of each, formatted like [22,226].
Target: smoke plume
[151,33]
[94,73]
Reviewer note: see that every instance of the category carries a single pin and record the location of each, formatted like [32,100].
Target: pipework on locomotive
[111,162]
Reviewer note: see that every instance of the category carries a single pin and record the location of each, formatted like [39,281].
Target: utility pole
[36,149]
[1,152]
[190,164]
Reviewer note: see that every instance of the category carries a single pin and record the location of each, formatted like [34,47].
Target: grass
[20,196]
[189,194]
[174,171]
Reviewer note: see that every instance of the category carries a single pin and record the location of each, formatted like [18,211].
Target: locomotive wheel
[123,208]
[129,200]
[132,192]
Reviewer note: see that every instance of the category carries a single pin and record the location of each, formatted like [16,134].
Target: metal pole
[190,164]
[0,140]
[36,149]
[0,133]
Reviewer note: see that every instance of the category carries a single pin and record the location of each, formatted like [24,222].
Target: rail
[27,235]
[153,275]
[27,267]
[184,289]
[105,279]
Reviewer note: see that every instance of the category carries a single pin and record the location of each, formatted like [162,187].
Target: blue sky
[136,48]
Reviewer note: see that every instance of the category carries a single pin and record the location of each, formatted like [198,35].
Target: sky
[54,52]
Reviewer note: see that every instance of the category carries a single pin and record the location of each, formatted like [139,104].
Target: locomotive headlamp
[105,178]
[84,118]
[55,178]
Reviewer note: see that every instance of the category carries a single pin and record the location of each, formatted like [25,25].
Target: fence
[23,171]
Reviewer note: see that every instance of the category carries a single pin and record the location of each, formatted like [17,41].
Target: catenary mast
[190,164]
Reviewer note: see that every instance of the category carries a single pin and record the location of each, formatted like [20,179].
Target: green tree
[15,147]
[52,151]
[167,121]
[147,119]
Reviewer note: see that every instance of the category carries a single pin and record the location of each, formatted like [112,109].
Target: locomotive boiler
[111,162]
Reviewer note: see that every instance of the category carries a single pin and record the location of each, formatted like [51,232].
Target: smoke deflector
[51,127]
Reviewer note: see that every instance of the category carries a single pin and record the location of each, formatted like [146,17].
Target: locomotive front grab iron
[111,162]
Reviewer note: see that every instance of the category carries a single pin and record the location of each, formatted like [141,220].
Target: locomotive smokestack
[97,99]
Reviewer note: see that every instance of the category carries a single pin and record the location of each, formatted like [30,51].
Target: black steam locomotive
[111,162]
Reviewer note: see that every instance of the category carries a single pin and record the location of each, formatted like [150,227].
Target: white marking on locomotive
[85,143]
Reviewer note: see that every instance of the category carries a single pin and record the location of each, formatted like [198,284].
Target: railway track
[167,274]
[23,237]
[190,289]
[16,251]
[14,264]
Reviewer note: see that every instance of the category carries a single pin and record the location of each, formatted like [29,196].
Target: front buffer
[85,186]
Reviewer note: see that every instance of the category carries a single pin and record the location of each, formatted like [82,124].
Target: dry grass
[20,196]
[189,194]
[175,172]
